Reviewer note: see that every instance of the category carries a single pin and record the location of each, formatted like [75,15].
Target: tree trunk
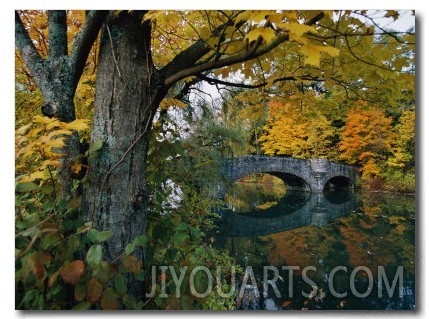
[126,101]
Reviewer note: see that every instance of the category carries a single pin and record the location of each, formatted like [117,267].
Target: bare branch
[214,81]
[364,61]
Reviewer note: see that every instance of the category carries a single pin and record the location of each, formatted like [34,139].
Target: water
[338,250]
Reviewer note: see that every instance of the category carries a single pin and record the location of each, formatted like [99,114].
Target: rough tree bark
[127,96]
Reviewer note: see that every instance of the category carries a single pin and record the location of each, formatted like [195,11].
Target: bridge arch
[304,175]
[292,182]
[339,182]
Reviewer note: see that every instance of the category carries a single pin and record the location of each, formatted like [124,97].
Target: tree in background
[367,140]
[297,128]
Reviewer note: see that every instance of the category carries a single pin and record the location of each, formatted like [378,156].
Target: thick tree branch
[185,59]
[26,47]
[57,21]
[235,58]
[84,40]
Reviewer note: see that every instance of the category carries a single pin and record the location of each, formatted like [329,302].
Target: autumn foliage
[297,129]
[367,139]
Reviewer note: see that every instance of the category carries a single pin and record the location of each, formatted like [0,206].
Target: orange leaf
[109,301]
[72,272]
[53,278]
[131,263]
[35,263]
[95,290]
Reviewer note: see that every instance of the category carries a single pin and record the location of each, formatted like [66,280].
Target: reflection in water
[371,237]
[296,209]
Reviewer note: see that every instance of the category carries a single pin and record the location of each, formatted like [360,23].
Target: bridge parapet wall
[298,174]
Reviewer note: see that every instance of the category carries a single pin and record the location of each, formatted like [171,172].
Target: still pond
[337,250]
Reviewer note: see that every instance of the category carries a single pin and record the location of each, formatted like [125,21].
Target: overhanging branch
[214,81]
[255,51]
[233,59]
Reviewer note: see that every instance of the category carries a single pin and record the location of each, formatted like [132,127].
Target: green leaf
[140,276]
[80,291]
[25,187]
[104,235]
[196,234]
[103,272]
[178,148]
[96,237]
[92,235]
[129,301]
[96,146]
[140,241]
[179,237]
[82,306]
[129,249]
[120,286]
[93,257]
[182,226]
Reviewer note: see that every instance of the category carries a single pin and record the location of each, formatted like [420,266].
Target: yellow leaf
[190,79]
[58,133]
[52,124]
[57,143]
[311,54]
[77,125]
[296,30]
[167,103]
[76,168]
[153,15]
[291,15]
[42,119]
[22,129]
[242,16]
[392,14]
[334,52]
[33,176]
[34,132]
[267,34]
[224,72]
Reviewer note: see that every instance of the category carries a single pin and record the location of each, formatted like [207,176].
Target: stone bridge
[312,175]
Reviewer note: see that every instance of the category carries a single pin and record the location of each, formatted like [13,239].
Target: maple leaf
[267,34]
